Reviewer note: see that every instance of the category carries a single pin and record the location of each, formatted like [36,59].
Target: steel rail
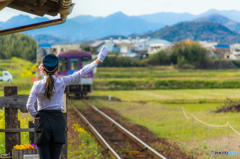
[95,132]
[126,132]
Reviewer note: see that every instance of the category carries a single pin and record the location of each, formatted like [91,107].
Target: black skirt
[48,123]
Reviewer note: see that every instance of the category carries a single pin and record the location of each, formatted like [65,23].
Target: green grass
[166,104]
[168,121]
[214,95]
[155,78]
[85,146]
[162,72]
[160,111]
[20,92]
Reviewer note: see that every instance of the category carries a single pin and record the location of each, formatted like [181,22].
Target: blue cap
[50,63]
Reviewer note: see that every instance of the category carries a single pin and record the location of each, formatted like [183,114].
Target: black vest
[51,122]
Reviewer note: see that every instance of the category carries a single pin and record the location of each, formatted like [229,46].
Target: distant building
[112,47]
[157,44]
[130,40]
[154,48]
[127,48]
[62,48]
[131,55]
[207,45]
[44,49]
[223,51]
[95,46]
[132,47]
[235,49]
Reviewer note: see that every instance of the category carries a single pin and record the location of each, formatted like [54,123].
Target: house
[235,49]
[131,55]
[154,48]
[127,48]
[129,40]
[207,45]
[95,46]
[112,47]
[144,46]
[223,51]
[43,50]
[62,48]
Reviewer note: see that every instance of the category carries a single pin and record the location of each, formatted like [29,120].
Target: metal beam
[33,26]
[63,12]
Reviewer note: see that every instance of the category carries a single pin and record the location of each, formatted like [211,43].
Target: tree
[18,45]
[190,53]
[87,48]
[159,58]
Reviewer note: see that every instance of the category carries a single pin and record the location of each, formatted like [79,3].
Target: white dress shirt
[56,102]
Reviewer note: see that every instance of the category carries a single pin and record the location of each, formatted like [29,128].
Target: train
[71,61]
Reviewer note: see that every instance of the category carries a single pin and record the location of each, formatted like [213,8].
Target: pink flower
[41,68]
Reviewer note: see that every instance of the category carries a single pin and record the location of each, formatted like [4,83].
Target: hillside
[204,30]
[85,19]
[231,14]
[44,38]
[20,20]
[222,20]
[87,27]
[170,18]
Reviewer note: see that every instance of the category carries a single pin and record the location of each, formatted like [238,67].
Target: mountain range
[232,25]
[170,18]
[86,27]
[197,31]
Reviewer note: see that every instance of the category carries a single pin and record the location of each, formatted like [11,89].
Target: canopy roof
[40,8]
[37,7]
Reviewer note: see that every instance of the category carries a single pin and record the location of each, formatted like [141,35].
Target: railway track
[118,141]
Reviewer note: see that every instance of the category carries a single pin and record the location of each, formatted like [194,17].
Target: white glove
[102,54]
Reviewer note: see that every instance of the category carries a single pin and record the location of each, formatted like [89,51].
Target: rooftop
[45,45]
[97,43]
[74,52]
[222,46]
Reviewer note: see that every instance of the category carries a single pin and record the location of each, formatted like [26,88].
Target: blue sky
[139,7]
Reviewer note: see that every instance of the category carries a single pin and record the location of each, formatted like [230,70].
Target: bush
[190,53]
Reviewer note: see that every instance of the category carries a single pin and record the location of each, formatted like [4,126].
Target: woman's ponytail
[50,66]
[49,87]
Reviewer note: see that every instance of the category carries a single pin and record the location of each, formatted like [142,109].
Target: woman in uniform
[49,131]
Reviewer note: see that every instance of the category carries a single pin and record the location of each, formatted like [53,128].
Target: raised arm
[78,75]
